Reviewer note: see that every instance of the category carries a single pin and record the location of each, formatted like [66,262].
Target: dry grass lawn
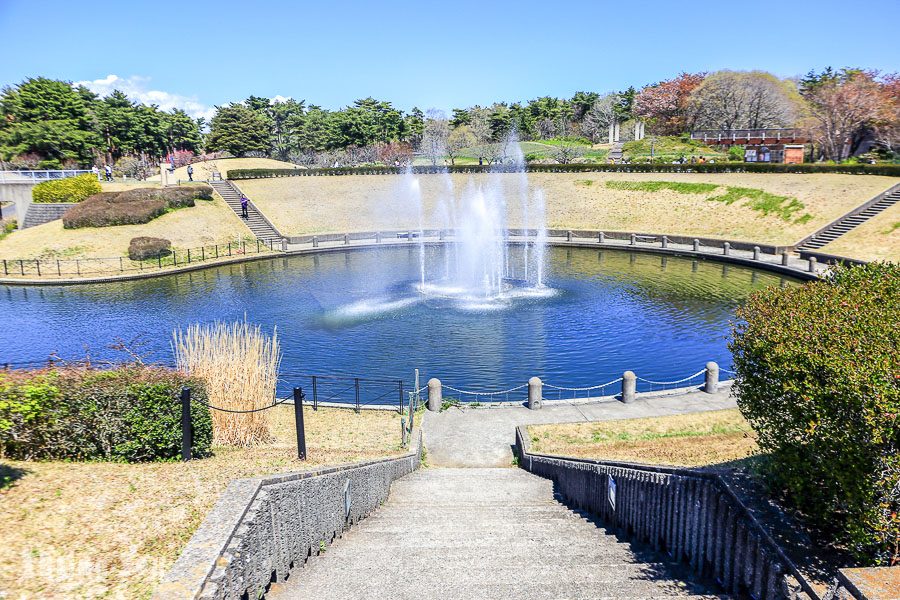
[695,439]
[207,223]
[876,239]
[85,530]
[302,205]
[203,170]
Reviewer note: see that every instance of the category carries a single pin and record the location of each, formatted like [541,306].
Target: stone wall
[690,514]
[40,213]
[262,528]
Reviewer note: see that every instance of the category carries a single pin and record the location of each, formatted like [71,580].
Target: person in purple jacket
[244,202]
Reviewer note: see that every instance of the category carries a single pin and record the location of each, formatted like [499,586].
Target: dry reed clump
[240,366]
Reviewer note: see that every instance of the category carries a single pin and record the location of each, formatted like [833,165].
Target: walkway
[483,437]
[478,534]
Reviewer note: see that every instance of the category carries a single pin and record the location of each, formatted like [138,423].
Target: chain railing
[589,391]
[59,268]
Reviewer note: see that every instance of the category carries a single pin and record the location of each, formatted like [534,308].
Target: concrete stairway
[616,152]
[851,221]
[257,224]
[478,534]
[38,214]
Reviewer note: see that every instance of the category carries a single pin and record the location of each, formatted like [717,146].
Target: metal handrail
[38,175]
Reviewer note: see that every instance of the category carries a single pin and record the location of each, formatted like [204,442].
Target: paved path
[483,437]
[482,533]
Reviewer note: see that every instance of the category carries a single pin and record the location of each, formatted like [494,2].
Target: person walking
[244,203]
[190,171]
[108,170]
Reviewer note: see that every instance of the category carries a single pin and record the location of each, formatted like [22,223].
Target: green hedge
[130,414]
[70,189]
[818,378]
[132,207]
[734,167]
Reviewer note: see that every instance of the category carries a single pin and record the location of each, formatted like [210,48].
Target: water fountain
[479,269]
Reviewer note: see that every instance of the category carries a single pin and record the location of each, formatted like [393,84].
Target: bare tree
[434,136]
[841,109]
[597,119]
[459,138]
[566,149]
[744,100]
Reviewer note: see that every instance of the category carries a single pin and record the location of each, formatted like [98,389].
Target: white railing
[39,176]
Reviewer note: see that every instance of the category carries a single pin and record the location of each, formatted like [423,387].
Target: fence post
[315,394]
[203,253]
[298,423]
[346,239]
[400,392]
[712,378]
[22,267]
[535,393]
[696,245]
[187,433]
[755,252]
[568,236]
[315,241]
[37,263]
[58,270]
[434,394]
[356,385]
[633,239]
[600,237]
[257,246]
[5,269]
[121,265]
[726,248]
[784,259]
[403,431]
[629,386]
[812,264]
[665,241]
[78,266]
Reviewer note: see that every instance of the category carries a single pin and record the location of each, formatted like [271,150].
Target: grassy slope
[202,170]
[209,222]
[704,438]
[876,239]
[670,148]
[300,205]
[128,523]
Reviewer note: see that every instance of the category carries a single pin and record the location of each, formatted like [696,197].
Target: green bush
[818,378]
[70,189]
[142,248]
[718,167]
[736,153]
[131,414]
[132,207]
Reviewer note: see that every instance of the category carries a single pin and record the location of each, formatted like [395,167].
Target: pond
[361,314]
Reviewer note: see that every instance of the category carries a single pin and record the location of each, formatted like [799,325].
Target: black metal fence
[355,392]
[86,267]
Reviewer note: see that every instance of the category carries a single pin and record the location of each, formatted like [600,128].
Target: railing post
[315,394]
[377,237]
[726,248]
[400,394]
[568,236]
[187,433]
[629,386]
[665,241]
[315,241]
[712,378]
[784,259]
[535,393]
[600,237]
[633,239]
[812,264]
[356,385]
[434,394]
[37,263]
[755,252]
[696,245]
[346,239]
[403,431]
[298,423]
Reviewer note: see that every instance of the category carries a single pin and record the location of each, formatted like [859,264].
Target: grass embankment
[705,438]
[731,210]
[78,530]
[876,239]
[207,223]
[668,149]
[204,170]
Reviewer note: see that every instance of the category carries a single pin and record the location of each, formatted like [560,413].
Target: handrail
[38,176]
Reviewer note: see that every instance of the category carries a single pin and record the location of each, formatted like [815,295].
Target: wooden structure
[782,145]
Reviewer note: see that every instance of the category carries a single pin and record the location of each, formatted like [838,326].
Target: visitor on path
[244,202]
[108,170]
[96,172]
[190,170]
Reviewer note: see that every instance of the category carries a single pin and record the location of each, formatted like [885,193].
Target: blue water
[357,313]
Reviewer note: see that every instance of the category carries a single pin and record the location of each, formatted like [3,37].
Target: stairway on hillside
[257,224]
[850,222]
[484,533]
[616,152]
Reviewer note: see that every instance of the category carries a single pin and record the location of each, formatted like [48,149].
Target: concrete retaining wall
[690,514]
[262,528]
[40,213]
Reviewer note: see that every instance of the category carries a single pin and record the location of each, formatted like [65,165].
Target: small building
[760,145]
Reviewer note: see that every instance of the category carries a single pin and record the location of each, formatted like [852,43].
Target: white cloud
[279,99]
[137,88]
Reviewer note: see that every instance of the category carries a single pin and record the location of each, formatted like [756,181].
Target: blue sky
[197,54]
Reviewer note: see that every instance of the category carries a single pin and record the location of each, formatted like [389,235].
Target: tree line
[49,123]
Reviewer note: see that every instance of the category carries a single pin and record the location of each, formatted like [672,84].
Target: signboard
[611,492]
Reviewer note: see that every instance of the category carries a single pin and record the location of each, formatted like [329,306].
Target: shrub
[736,153]
[132,413]
[132,207]
[141,248]
[818,378]
[240,367]
[70,189]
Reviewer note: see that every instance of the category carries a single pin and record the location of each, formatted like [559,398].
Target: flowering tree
[666,107]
